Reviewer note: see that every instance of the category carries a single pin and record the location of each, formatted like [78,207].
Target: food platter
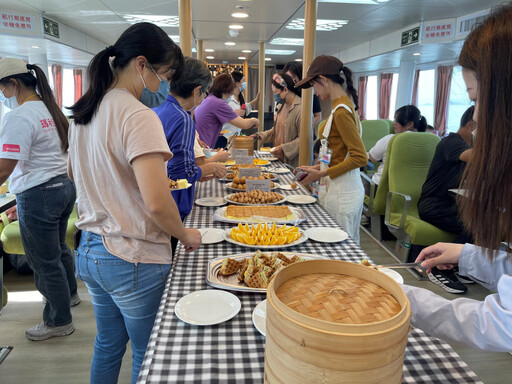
[228,197]
[230,187]
[231,282]
[300,240]
[298,214]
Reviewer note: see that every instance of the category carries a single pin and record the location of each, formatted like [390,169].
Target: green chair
[391,125]
[11,238]
[373,131]
[407,163]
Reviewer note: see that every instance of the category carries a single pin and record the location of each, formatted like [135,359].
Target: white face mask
[10,102]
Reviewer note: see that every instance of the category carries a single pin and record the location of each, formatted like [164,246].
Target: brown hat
[322,65]
[11,66]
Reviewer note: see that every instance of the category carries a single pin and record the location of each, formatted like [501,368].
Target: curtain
[77,75]
[253,83]
[414,100]
[361,93]
[444,80]
[57,83]
[386,79]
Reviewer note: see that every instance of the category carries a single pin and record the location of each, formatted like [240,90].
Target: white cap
[11,66]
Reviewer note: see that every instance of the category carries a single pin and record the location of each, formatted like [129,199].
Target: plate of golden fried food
[265,236]
[250,272]
[233,175]
[255,197]
[280,214]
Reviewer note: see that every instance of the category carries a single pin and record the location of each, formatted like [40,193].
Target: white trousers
[344,201]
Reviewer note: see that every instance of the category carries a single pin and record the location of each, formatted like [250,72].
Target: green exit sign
[51,28]
[411,36]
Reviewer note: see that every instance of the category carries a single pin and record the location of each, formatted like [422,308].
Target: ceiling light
[242,58]
[161,21]
[298,59]
[210,57]
[267,59]
[240,15]
[229,43]
[236,26]
[279,52]
[35,46]
[287,41]
[246,51]
[321,24]
[416,54]
[209,50]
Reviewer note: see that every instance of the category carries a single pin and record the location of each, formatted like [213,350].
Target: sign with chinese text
[438,31]
[19,23]
[249,172]
[243,159]
[262,185]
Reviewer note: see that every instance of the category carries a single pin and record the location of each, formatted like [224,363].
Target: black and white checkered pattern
[233,351]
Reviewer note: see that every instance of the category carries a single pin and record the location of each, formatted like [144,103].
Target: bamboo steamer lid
[244,142]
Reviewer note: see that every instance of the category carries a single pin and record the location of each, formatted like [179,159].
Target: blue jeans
[125,297]
[43,213]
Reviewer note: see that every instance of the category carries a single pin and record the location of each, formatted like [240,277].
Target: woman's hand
[255,136]
[191,240]
[255,122]
[278,152]
[202,143]
[314,174]
[240,112]
[218,170]
[440,255]
[221,156]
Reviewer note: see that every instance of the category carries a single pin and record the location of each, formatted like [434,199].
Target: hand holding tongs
[402,265]
[231,141]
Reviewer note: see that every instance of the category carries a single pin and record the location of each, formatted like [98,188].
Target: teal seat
[407,163]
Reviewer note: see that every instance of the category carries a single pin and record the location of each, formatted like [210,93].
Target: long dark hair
[238,76]
[349,83]
[39,83]
[410,113]
[486,210]
[142,39]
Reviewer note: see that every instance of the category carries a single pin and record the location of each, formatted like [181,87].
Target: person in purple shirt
[215,111]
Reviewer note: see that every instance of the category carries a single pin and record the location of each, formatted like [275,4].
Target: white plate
[393,274]
[227,200]
[280,170]
[181,189]
[230,187]
[259,316]
[207,307]
[300,199]
[288,187]
[211,235]
[327,234]
[298,217]
[300,240]
[210,202]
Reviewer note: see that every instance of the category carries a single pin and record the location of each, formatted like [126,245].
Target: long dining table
[233,351]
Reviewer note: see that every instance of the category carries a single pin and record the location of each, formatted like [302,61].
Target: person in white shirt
[407,118]
[486,207]
[33,154]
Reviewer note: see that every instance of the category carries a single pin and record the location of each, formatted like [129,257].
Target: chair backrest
[391,125]
[373,130]
[408,161]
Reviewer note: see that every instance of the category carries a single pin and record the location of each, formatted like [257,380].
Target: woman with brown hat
[342,152]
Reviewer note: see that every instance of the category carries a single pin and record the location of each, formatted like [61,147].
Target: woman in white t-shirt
[117,156]
[407,118]
[33,146]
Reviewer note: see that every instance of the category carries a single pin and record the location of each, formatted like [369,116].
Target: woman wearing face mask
[342,152]
[186,94]
[237,102]
[485,209]
[34,143]
[215,111]
[126,213]
[286,130]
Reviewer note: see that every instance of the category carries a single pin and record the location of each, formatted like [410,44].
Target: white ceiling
[102,19]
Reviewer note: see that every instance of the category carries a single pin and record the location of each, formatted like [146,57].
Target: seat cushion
[421,232]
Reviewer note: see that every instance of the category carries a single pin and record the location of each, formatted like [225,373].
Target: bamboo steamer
[244,142]
[331,321]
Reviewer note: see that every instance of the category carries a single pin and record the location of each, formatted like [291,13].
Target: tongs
[231,141]
[402,265]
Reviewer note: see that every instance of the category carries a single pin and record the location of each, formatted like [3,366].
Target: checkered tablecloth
[233,351]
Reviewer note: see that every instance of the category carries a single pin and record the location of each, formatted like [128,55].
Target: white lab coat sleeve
[479,324]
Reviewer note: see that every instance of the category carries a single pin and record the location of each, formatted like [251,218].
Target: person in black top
[437,204]
[294,70]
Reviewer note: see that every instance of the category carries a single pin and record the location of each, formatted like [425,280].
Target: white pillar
[405,83]
[39,59]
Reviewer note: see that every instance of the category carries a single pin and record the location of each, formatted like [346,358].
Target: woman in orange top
[342,152]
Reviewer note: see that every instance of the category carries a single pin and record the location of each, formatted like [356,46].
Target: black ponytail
[346,79]
[39,83]
[141,39]
[404,115]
